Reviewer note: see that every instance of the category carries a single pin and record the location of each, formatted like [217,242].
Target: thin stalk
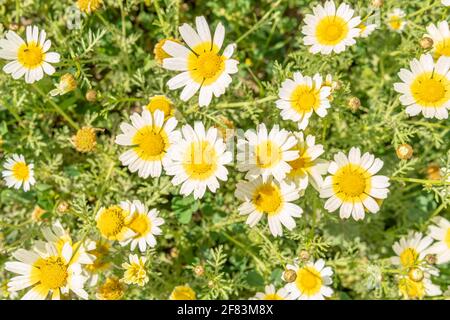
[420,181]
[230,105]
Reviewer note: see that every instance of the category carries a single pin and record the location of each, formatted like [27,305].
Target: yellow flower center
[112,289]
[351,183]
[331,30]
[141,225]
[431,89]
[272,296]
[443,48]
[308,281]
[200,161]
[85,140]
[151,143]
[411,289]
[205,64]
[100,263]
[161,103]
[301,164]
[89,6]
[21,171]
[158,51]
[267,198]
[408,257]
[30,55]
[135,273]
[182,293]
[362,27]
[268,154]
[447,238]
[395,22]
[305,98]
[51,272]
[111,222]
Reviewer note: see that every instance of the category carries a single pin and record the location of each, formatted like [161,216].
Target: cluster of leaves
[111,52]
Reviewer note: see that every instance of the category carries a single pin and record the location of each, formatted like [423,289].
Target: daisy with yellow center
[426,87]
[301,97]
[440,34]
[163,104]
[203,67]
[135,271]
[112,222]
[145,224]
[308,167]
[30,58]
[182,293]
[271,294]
[353,185]
[411,250]
[312,281]
[48,271]
[366,29]
[330,29]
[150,137]
[158,51]
[85,140]
[18,173]
[89,6]
[410,289]
[269,198]
[440,231]
[112,289]
[265,154]
[198,160]
[396,21]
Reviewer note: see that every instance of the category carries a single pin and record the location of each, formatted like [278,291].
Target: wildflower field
[207,149]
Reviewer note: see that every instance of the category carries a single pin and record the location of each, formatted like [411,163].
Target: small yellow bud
[289,275]
[174,252]
[63,206]
[14,26]
[304,255]
[85,140]
[434,172]
[426,43]
[199,270]
[431,258]
[37,214]
[89,6]
[354,103]
[416,274]
[91,95]
[112,289]
[377,3]
[163,104]
[182,293]
[404,151]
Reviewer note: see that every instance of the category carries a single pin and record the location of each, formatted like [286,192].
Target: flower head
[163,104]
[135,272]
[85,140]
[182,293]
[411,250]
[18,173]
[66,84]
[112,222]
[111,289]
[440,36]
[271,294]
[440,231]
[89,6]
[396,21]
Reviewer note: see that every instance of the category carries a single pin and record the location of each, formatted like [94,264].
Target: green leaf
[184,207]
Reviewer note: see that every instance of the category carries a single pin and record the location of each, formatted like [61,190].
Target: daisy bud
[85,139]
[415,274]
[404,151]
[354,103]
[89,6]
[426,43]
[37,214]
[434,172]
[63,206]
[431,259]
[13,27]
[289,275]
[91,95]
[174,253]
[377,3]
[199,270]
[183,293]
[304,255]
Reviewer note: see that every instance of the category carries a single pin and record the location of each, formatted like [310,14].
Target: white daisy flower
[47,271]
[197,161]
[426,87]
[440,231]
[145,223]
[270,198]
[271,294]
[113,222]
[445,3]
[411,250]
[312,281]
[354,185]
[203,67]
[301,96]
[366,29]
[151,138]
[329,30]
[440,34]
[30,58]
[308,167]
[411,289]
[265,154]
[18,173]
[396,21]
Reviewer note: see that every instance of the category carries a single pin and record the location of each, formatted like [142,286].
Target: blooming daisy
[30,58]
[411,250]
[182,293]
[47,271]
[197,161]
[270,294]
[112,222]
[307,167]
[145,224]
[353,184]
[163,104]
[440,34]
[329,30]
[301,96]
[312,281]
[203,67]
[396,20]
[135,272]
[111,289]
[89,6]
[263,153]
[426,87]
[271,198]
[151,138]
[18,173]
[366,29]
[446,3]
[411,289]
[440,231]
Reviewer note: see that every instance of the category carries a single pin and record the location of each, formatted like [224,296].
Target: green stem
[420,181]
[227,105]
[424,9]
[160,17]
[438,210]
[245,248]
[56,107]
[13,112]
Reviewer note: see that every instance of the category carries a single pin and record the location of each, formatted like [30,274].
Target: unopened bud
[377,3]
[289,275]
[174,252]
[304,255]
[431,259]
[14,26]
[354,103]
[404,151]
[426,43]
[63,206]
[415,274]
[434,172]
[199,270]
[91,95]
